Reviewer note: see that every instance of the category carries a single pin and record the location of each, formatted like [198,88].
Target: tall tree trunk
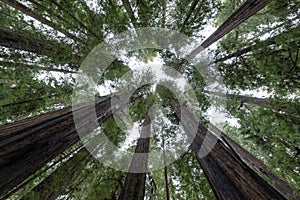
[166,174]
[34,67]
[41,172]
[134,186]
[129,11]
[54,185]
[164,14]
[188,15]
[59,6]
[10,39]
[17,5]
[243,99]
[232,172]
[249,8]
[267,42]
[31,145]
[27,145]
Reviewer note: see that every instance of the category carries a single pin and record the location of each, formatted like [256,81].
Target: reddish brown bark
[232,172]
[54,185]
[249,8]
[134,186]
[27,145]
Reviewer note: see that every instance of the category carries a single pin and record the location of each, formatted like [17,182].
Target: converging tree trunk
[55,184]
[19,6]
[134,186]
[242,99]
[249,8]
[27,145]
[264,43]
[232,172]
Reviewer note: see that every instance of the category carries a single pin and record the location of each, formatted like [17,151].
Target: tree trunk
[59,6]
[166,174]
[10,39]
[27,11]
[40,173]
[55,184]
[232,172]
[34,67]
[243,99]
[164,14]
[188,15]
[134,186]
[267,42]
[129,11]
[249,8]
[27,145]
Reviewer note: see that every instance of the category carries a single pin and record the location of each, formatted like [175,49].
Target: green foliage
[75,27]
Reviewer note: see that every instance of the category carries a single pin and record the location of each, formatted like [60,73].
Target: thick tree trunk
[134,186]
[40,172]
[54,185]
[11,39]
[27,145]
[232,172]
[17,5]
[249,8]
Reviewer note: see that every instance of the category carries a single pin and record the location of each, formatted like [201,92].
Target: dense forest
[136,99]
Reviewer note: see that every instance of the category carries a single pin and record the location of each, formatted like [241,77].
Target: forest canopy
[80,79]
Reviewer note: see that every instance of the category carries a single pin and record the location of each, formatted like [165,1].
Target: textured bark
[243,99]
[54,185]
[27,145]
[249,8]
[17,5]
[39,173]
[134,186]
[232,172]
